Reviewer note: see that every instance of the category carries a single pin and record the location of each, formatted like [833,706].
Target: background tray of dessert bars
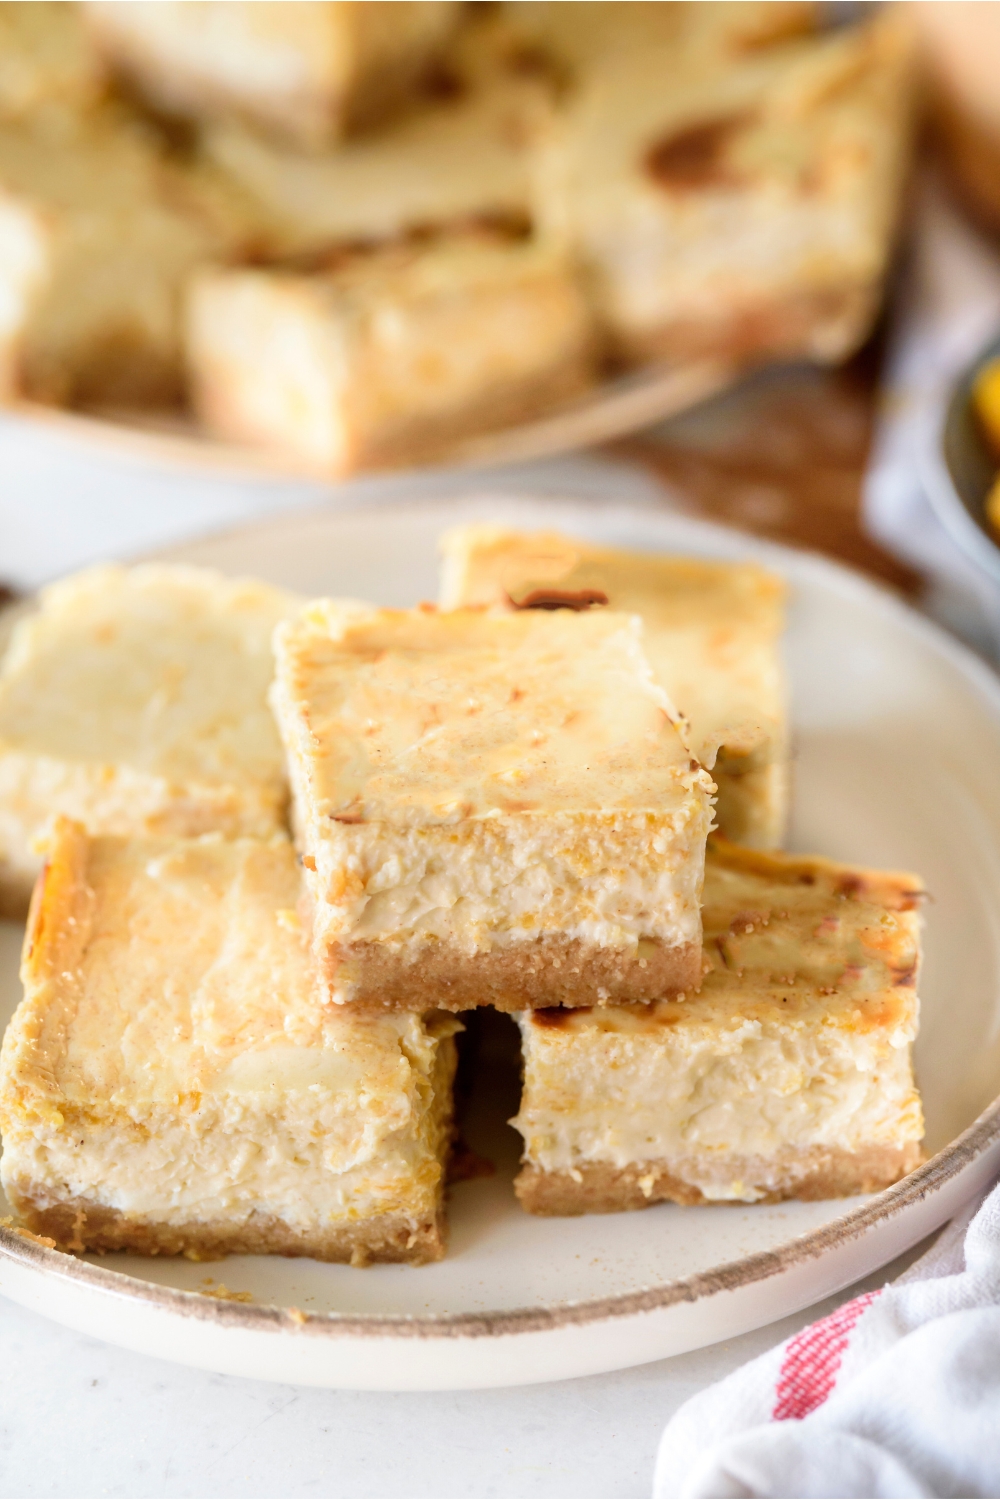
[897,739]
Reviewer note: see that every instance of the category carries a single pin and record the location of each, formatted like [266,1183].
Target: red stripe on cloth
[812,1359]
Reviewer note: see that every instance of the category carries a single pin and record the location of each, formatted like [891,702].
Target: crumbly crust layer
[410,438]
[813,1173]
[543,971]
[825,324]
[78,1224]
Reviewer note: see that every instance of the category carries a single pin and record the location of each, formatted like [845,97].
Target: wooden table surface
[781,456]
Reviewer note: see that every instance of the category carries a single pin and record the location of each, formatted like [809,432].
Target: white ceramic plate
[897,739]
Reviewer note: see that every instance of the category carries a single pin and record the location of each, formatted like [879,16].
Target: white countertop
[78,1417]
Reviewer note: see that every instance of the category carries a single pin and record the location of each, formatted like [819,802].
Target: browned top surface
[793,939]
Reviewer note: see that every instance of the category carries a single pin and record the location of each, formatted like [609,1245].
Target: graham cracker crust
[825,324]
[78,1224]
[535,974]
[412,440]
[422,439]
[810,1174]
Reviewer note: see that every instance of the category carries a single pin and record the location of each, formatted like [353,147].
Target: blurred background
[741,259]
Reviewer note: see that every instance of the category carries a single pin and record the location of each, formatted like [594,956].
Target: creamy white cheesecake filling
[303,1135]
[710,1104]
[134,701]
[172,1062]
[212,1169]
[605,880]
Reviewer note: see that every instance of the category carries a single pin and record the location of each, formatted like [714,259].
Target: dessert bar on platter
[308,72]
[712,633]
[171,1085]
[492,808]
[135,701]
[789,1074]
[390,356]
[733,199]
[99,234]
[460,160]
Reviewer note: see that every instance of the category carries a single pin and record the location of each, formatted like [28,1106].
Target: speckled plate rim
[968,1149]
[942,1185]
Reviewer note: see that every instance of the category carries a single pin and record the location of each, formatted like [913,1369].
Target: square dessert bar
[99,232]
[308,72]
[788,1076]
[135,700]
[173,1083]
[712,633]
[46,61]
[492,809]
[391,354]
[734,201]
[464,159]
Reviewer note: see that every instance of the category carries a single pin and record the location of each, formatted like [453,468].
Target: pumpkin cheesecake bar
[788,1075]
[712,632]
[100,230]
[135,700]
[173,1083]
[462,159]
[491,808]
[47,60]
[388,356]
[731,201]
[308,72]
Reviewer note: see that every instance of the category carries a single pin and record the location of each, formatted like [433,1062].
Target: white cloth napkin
[895,1393]
[947,310]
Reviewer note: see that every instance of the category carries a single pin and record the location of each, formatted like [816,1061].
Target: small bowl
[960,468]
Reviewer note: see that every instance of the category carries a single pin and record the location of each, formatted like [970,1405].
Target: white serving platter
[616,406]
[897,740]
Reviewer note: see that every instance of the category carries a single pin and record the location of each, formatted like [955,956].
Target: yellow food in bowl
[986,401]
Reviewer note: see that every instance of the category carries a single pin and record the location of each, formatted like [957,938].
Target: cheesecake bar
[788,1075]
[172,1082]
[307,71]
[454,161]
[46,59]
[135,701]
[580,35]
[491,809]
[392,356]
[99,232]
[711,631]
[734,201]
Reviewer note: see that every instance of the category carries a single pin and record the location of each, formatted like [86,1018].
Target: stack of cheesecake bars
[236,1039]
